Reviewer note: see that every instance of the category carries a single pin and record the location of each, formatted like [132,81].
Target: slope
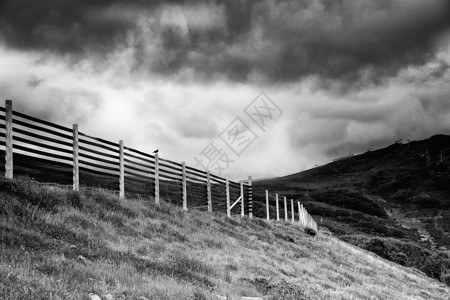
[400,192]
[59,244]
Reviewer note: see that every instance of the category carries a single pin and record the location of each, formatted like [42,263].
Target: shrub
[436,265]
[310,231]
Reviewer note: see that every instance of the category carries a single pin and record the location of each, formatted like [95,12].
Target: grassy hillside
[58,244]
[397,197]
[399,191]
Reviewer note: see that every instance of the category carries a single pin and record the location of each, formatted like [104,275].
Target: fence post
[250,197]
[299,213]
[285,210]
[76,174]
[242,200]
[208,190]
[227,191]
[9,139]
[292,210]
[183,176]
[157,178]
[122,171]
[267,205]
[303,215]
[278,207]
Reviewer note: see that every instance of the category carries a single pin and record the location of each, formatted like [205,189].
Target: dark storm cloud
[61,26]
[273,40]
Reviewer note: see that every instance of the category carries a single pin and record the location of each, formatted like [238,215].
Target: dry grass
[133,248]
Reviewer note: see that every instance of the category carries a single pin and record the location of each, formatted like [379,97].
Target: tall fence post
[76,174]
[285,210]
[302,220]
[299,213]
[208,190]
[305,214]
[306,218]
[250,197]
[242,200]
[267,205]
[9,139]
[121,170]
[183,176]
[278,207]
[227,192]
[292,210]
[157,178]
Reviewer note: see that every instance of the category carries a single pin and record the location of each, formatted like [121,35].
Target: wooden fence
[52,153]
[288,210]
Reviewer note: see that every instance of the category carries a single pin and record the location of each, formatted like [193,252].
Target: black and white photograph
[224,149]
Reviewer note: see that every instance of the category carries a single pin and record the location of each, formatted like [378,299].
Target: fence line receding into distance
[48,152]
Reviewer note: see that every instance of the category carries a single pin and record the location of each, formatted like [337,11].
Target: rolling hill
[59,244]
[400,193]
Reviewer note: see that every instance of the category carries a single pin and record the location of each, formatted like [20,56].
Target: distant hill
[401,191]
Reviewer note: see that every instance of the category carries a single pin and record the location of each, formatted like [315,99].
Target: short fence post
[9,139]
[250,197]
[183,171]
[267,205]
[285,210]
[227,191]
[292,209]
[157,179]
[76,174]
[299,213]
[242,200]
[122,171]
[208,190]
[278,207]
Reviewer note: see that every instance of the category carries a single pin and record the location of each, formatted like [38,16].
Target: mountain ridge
[394,201]
[381,183]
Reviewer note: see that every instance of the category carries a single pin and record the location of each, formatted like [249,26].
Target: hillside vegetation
[394,201]
[60,244]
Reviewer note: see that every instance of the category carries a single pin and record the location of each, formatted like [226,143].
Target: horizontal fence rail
[54,154]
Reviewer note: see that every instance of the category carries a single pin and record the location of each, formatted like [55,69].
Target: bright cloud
[348,76]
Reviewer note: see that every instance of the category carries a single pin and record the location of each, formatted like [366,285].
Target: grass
[59,244]
[435,264]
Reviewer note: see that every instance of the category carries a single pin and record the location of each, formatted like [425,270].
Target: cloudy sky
[338,76]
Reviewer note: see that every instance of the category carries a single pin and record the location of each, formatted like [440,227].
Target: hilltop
[60,244]
[397,196]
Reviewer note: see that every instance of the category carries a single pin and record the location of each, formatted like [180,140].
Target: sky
[261,88]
